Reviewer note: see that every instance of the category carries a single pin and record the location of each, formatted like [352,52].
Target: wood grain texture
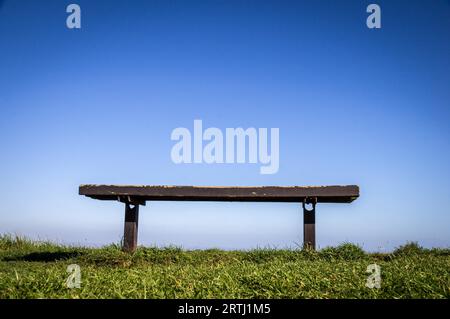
[323,194]
[130,232]
[309,228]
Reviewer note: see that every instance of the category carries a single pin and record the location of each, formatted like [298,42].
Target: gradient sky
[353,105]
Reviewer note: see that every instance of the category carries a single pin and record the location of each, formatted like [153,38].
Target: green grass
[38,270]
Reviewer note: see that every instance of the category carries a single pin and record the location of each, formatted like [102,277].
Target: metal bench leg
[130,232]
[309,226]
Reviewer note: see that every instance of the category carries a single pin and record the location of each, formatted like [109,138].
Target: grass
[38,270]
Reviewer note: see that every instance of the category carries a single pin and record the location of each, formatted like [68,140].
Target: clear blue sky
[353,105]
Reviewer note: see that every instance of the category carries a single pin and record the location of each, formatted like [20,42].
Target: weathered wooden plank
[323,194]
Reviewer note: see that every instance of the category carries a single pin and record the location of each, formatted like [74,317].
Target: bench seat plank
[324,194]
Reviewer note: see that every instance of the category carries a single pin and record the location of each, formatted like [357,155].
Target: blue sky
[353,105]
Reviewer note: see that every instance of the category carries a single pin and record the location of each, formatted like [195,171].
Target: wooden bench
[133,196]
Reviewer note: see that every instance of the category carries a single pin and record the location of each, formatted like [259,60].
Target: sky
[353,105]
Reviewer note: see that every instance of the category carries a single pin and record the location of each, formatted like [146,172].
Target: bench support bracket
[130,232]
[309,224]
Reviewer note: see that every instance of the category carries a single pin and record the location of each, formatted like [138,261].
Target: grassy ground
[39,270]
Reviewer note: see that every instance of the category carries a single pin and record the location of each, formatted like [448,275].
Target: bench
[133,196]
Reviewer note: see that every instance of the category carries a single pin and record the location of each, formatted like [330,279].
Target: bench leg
[130,232]
[309,227]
